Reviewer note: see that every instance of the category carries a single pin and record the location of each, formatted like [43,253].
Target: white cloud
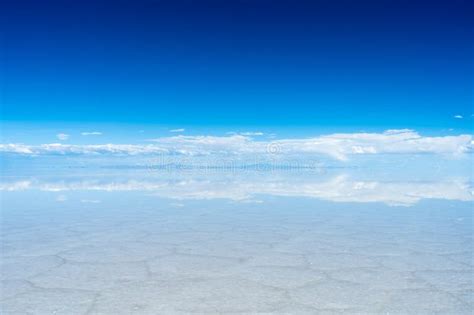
[16,186]
[458,116]
[62,136]
[339,146]
[206,145]
[177,130]
[91,133]
[252,133]
[247,133]
[89,149]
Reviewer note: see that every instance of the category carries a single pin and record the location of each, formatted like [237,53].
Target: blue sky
[322,65]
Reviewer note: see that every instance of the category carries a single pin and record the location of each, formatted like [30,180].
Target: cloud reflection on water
[336,188]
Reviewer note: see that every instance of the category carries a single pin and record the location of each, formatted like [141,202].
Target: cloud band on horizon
[339,146]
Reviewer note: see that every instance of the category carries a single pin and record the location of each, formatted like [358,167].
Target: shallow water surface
[141,241]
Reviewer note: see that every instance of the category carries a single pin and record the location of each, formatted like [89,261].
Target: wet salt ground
[133,252]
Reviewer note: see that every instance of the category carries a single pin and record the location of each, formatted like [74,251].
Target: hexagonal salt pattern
[139,254]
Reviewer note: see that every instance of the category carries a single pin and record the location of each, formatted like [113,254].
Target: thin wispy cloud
[62,136]
[246,133]
[252,133]
[340,146]
[91,133]
[177,130]
[88,149]
[458,116]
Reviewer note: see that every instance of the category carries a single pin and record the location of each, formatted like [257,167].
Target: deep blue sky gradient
[387,64]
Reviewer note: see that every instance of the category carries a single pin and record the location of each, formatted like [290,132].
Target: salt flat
[214,244]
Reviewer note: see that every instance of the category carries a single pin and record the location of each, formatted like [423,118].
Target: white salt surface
[136,252]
